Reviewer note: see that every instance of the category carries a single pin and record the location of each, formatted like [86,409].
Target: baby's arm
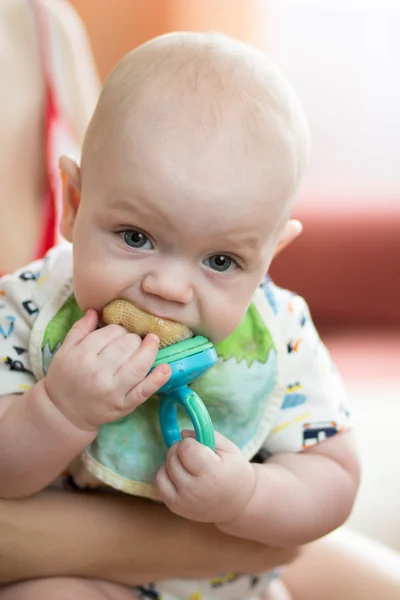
[290,500]
[299,497]
[36,442]
[96,376]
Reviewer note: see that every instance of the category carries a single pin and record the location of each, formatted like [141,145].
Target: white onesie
[314,405]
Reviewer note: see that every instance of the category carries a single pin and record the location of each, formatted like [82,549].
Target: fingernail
[165,369]
[188,433]
[154,337]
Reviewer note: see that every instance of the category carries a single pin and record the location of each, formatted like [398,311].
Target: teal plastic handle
[197,412]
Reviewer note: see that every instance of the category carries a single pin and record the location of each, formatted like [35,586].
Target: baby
[189,170]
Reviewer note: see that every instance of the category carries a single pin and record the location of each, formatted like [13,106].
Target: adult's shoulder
[70,61]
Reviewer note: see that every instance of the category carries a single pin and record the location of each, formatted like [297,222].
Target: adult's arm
[118,538]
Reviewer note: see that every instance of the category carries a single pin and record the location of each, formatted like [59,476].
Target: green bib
[243,393]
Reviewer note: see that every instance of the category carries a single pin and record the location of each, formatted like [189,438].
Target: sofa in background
[347,266]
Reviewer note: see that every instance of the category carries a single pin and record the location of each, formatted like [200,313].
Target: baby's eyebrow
[241,240]
[134,205]
[121,204]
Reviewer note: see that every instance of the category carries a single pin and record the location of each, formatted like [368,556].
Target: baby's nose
[174,285]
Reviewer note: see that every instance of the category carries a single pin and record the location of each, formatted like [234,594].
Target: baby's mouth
[122,312]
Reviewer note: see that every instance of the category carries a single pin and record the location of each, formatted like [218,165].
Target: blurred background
[342,57]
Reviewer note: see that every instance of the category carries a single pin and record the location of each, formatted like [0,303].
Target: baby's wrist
[253,516]
[65,408]
[56,418]
[239,506]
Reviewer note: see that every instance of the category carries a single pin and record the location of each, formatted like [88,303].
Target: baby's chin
[215,335]
[218,329]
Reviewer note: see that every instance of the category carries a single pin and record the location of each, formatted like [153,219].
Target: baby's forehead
[181,198]
[204,97]
[190,87]
[208,78]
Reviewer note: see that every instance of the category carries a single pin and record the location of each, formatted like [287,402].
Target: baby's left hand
[201,485]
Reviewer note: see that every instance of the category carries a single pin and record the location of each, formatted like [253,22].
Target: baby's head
[189,170]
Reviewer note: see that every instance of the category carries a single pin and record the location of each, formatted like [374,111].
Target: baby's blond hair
[212,81]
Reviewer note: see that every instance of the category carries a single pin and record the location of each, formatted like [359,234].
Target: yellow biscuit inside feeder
[135,320]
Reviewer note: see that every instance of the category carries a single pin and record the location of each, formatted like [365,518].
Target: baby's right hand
[101,375]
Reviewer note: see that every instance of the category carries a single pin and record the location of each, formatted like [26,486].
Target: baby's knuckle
[138,371]
[134,339]
[188,449]
[99,382]
[114,329]
[128,343]
[139,395]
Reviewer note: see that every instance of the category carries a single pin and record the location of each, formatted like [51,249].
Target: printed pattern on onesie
[315,404]
[314,407]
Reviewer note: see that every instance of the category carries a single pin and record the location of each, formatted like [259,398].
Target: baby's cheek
[223,306]
[226,321]
[92,287]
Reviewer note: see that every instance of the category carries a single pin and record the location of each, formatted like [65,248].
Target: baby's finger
[135,369]
[81,329]
[165,487]
[147,387]
[99,339]
[119,350]
[223,444]
[185,433]
[175,469]
[195,456]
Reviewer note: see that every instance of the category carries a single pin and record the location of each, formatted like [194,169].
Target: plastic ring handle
[197,412]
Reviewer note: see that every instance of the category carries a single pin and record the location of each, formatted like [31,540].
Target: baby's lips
[122,312]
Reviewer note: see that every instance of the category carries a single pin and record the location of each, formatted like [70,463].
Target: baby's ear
[290,232]
[71,194]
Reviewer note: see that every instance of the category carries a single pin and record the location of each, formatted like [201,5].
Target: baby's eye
[220,263]
[136,239]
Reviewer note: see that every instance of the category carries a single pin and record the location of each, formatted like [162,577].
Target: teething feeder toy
[188,356]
